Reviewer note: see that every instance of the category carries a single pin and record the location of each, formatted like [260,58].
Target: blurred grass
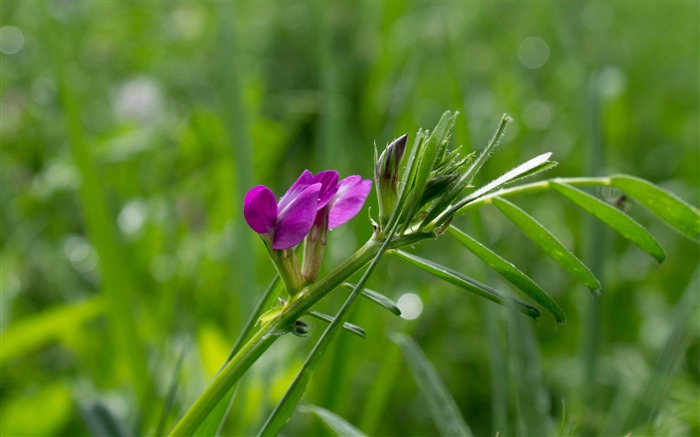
[131,131]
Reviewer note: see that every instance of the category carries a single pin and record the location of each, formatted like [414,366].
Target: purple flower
[310,199]
[285,223]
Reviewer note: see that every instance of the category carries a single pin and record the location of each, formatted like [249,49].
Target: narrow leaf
[441,404]
[377,298]
[680,215]
[614,218]
[548,242]
[466,283]
[470,173]
[336,424]
[216,418]
[284,409]
[347,326]
[510,273]
[523,169]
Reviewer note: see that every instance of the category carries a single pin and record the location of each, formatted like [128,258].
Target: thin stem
[268,333]
[534,187]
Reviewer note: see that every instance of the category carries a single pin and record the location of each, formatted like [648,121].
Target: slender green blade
[427,158]
[377,298]
[510,273]
[347,326]
[680,215]
[614,218]
[215,420]
[31,333]
[548,242]
[471,172]
[524,169]
[335,424]
[284,409]
[441,404]
[466,283]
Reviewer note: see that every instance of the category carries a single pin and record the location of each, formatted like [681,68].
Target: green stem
[534,187]
[268,333]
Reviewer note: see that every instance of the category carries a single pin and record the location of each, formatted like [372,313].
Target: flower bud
[386,177]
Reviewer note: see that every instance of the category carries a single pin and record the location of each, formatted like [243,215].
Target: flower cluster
[312,205]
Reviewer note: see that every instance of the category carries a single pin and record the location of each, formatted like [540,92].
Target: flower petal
[303,181]
[348,201]
[329,186]
[260,209]
[297,218]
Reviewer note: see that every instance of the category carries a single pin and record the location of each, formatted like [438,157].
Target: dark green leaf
[614,218]
[441,404]
[466,283]
[678,214]
[510,273]
[377,298]
[548,242]
[347,326]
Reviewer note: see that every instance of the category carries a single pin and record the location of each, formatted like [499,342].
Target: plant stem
[268,333]
[534,187]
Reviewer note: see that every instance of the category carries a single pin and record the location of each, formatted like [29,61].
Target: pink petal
[260,209]
[297,218]
[348,201]
[329,186]
[303,181]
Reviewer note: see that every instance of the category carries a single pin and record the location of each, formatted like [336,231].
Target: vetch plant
[420,190]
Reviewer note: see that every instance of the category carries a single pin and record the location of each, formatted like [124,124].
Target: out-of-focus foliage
[133,166]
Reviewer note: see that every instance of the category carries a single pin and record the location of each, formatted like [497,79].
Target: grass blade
[466,283]
[548,242]
[511,273]
[287,405]
[614,218]
[31,333]
[377,298]
[441,404]
[680,215]
[215,420]
[347,326]
[335,424]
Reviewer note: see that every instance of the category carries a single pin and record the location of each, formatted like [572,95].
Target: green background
[132,130]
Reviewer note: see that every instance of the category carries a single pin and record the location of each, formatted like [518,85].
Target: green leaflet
[347,326]
[377,298]
[678,214]
[466,283]
[441,404]
[548,242]
[336,424]
[510,273]
[614,218]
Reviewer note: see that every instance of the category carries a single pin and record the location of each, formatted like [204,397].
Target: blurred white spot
[537,115]
[597,16]
[188,20]
[132,217]
[80,253]
[410,305]
[611,82]
[11,40]
[533,52]
[138,99]
[162,268]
